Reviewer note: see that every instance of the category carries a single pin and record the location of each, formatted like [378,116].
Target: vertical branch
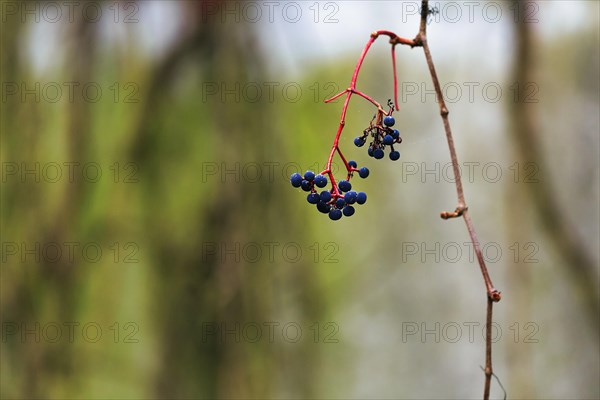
[461,210]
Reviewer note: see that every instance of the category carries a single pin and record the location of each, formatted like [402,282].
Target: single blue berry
[335,214]
[394,155]
[389,121]
[370,151]
[340,203]
[352,163]
[363,172]
[323,207]
[388,139]
[306,185]
[359,141]
[325,196]
[309,176]
[348,211]
[345,186]
[296,180]
[350,197]
[396,134]
[313,198]
[378,154]
[361,198]
[320,181]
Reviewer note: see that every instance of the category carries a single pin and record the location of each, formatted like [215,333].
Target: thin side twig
[493,295]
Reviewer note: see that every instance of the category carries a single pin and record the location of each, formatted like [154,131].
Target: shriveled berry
[335,214]
[359,141]
[361,198]
[389,121]
[350,197]
[348,211]
[394,155]
[313,198]
[309,176]
[320,181]
[306,185]
[378,154]
[325,196]
[345,186]
[352,163]
[388,139]
[296,180]
[363,172]
[323,207]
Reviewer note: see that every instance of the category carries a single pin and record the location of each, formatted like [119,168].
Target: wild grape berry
[320,181]
[340,203]
[313,198]
[325,196]
[345,186]
[394,155]
[323,207]
[361,198]
[296,180]
[309,176]
[306,185]
[335,214]
[352,163]
[350,197]
[363,172]
[370,151]
[388,139]
[348,211]
[389,121]
[395,134]
[359,141]
[378,154]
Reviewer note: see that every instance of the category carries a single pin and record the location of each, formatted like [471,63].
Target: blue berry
[325,196]
[350,197]
[352,163]
[348,211]
[363,172]
[389,121]
[345,186]
[361,198]
[388,139]
[394,155]
[313,198]
[340,203]
[370,151]
[309,176]
[306,185]
[296,180]
[378,154]
[335,214]
[323,207]
[396,134]
[320,181]
[359,142]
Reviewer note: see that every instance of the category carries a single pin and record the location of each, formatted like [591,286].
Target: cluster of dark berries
[336,202]
[382,136]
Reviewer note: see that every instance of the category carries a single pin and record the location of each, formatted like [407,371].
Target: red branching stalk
[461,210]
[394,40]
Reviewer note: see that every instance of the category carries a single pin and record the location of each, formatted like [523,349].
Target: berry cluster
[382,136]
[339,199]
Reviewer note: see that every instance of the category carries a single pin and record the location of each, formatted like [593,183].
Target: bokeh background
[152,246]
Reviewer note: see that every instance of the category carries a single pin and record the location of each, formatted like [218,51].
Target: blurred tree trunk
[196,293]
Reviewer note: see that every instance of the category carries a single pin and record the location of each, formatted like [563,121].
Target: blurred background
[152,246]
